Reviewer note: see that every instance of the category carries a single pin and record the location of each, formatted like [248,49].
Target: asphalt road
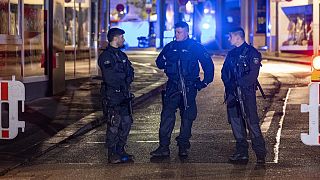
[211,144]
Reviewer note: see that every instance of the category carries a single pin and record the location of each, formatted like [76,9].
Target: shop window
[295,27]
[10,61]
[77,41]
[10,13]
[76,24]
[34,37]
[4,13]
[10,39]
[261,17]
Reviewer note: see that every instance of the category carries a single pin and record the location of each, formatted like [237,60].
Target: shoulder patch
[256,60]
[107,64]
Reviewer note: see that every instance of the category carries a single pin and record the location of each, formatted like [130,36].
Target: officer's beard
[122,47]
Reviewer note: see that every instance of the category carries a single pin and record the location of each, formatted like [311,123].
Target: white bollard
[312,138]
[11,92]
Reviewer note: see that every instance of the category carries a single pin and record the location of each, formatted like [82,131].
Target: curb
[86,124]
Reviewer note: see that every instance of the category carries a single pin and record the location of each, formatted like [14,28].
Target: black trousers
[172,101]
[239,125]
[118,126]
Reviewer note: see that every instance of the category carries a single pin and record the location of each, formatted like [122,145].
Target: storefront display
[295,25]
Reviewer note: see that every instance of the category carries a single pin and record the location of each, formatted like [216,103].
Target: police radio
[11,92]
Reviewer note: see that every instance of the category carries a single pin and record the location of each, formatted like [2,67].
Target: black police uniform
[117,74]
[247,61]
[190,54]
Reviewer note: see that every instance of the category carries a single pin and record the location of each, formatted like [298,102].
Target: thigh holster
[112,116]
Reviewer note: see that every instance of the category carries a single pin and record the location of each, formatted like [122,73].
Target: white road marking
[149,141]
[267,121]
[95,142]
[276,146]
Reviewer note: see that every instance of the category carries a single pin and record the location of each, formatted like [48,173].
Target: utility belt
[251,87]
[187,82]
[113,97]
[107,88]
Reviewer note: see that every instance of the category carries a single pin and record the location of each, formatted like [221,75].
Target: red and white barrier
[11,92]
[313,138]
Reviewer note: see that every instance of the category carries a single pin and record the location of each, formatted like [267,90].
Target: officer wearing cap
[239,74]
[180,61]
[117,73]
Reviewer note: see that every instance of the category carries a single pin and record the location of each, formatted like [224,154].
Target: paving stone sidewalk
[52,120]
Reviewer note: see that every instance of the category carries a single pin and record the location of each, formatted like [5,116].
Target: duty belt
[187,82]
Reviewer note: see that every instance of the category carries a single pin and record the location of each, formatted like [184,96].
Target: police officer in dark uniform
[117,74]
[241,70]
[180,61]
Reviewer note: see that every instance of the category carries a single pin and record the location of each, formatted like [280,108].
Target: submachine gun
[239,94]
[182,86]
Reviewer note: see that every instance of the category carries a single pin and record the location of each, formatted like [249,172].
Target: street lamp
[315,27]
[315,75]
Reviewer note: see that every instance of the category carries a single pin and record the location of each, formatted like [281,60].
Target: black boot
[183,152]
[161,151]
[261,160]
[124,155]
[238,158]
[113,156]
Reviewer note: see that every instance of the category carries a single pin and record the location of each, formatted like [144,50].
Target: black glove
[200,85]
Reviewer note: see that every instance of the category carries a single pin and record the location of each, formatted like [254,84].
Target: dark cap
[239,31]
[236,29]
[181,24]
[114,32]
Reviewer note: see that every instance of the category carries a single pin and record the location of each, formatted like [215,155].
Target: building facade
[291,26]
[43,43]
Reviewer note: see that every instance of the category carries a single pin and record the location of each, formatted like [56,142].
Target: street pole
[277,30]
[315,27]
[161,4]
[268,32]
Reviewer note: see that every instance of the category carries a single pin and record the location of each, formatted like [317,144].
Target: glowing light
[206,11]
[229,19]
[169,17]
[189,7]
[208,28]
[205,25]
[316,63]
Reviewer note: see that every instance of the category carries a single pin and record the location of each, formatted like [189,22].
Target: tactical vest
[189,63]
[242,63]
